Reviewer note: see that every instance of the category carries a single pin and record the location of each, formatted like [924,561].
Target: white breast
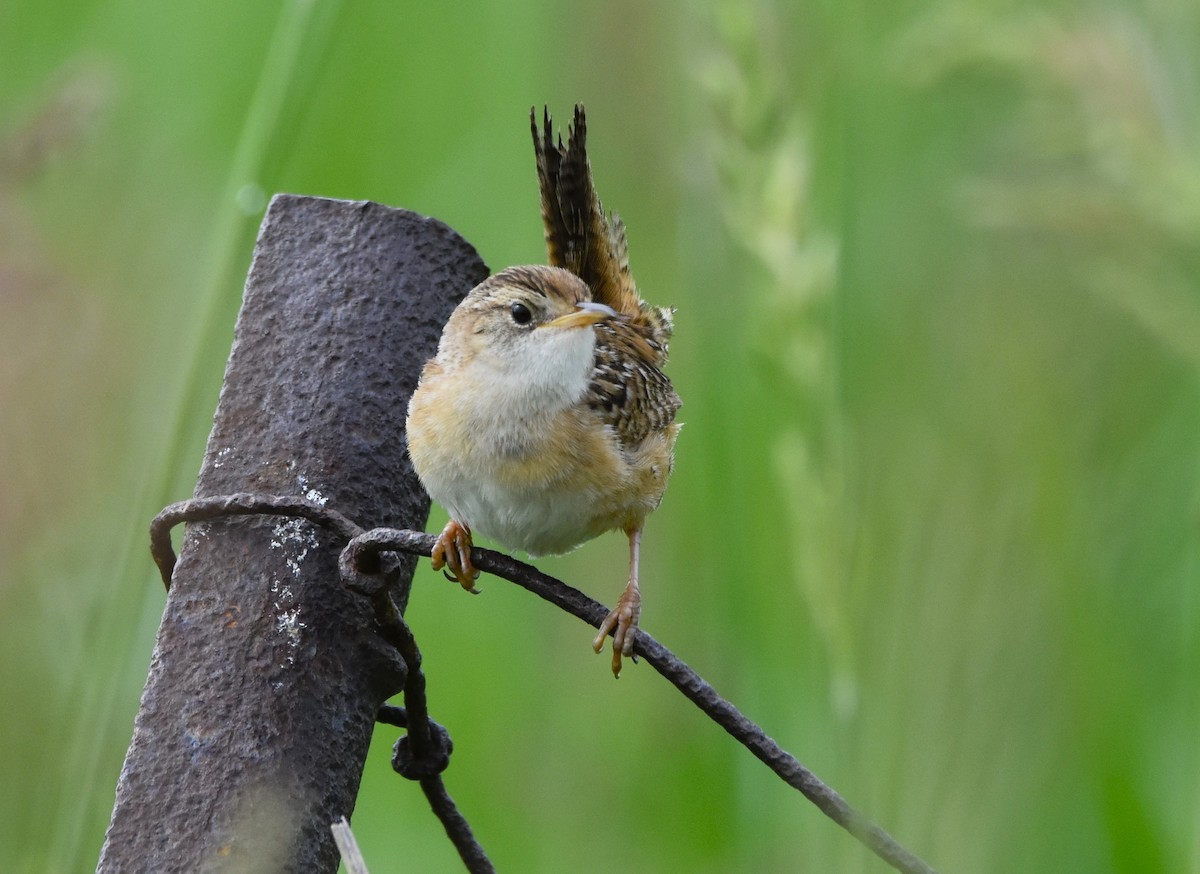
[529,382]
[539,523]
[503,408]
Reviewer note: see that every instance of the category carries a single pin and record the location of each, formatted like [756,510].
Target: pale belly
[542,483]
[537,521]
[550,498]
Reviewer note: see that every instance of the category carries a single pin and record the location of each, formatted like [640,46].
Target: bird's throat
[519,389]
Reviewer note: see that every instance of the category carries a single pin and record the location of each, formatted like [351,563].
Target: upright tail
[579,236]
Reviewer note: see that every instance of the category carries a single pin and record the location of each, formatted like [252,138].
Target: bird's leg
[453,550]
[623,621]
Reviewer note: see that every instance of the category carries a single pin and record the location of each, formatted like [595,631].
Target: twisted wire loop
[424,752]
[428,746]
[239,504]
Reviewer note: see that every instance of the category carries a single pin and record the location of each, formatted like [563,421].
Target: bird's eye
[521,314]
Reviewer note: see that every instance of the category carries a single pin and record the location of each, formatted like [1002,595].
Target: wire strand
[361,559]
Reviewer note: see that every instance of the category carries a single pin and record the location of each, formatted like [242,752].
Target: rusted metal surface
[267,672]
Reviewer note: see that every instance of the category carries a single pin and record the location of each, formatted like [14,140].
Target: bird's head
[533,321]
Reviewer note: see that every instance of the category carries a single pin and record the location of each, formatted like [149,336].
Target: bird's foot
[452,550]
[622,623]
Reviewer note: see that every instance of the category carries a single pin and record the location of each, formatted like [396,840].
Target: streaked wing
[627,389]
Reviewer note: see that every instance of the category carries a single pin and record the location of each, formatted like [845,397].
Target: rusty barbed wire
[424,752]
[360,563]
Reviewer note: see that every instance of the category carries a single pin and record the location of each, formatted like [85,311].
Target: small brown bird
[545,419]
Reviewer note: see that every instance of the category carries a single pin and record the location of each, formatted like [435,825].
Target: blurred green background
[935,518]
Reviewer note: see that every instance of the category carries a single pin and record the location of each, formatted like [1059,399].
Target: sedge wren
[545,418]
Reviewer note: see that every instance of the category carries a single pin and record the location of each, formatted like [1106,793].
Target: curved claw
[622,623]
[452,551]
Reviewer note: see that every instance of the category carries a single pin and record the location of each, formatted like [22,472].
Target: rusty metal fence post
[267,673]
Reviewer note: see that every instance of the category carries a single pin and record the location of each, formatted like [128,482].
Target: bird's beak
[586,313]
